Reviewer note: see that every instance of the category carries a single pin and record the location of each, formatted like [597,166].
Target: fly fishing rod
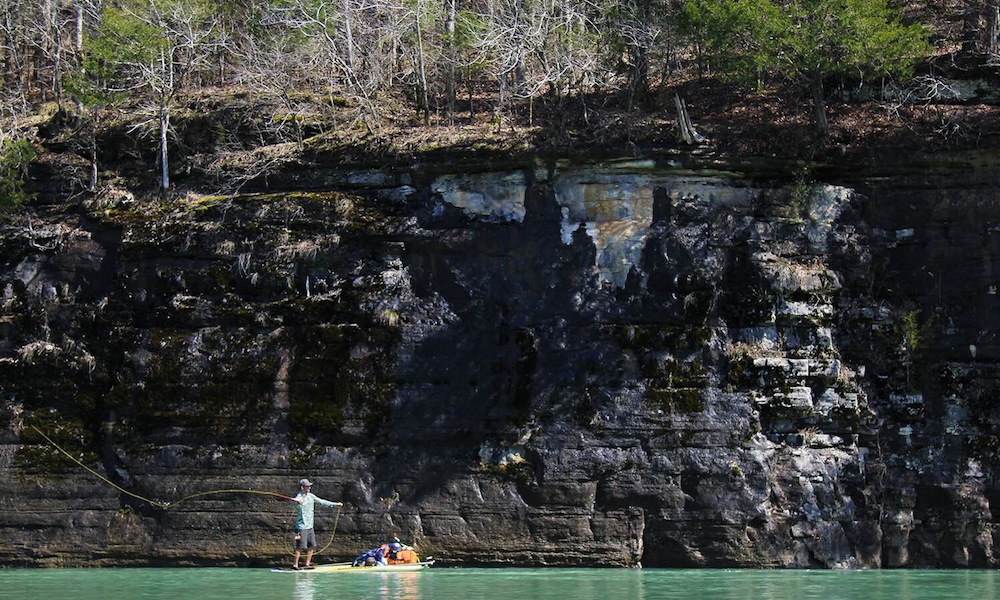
[156,503]
[168,505]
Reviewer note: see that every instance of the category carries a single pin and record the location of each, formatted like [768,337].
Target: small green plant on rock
[914,336]
[801,190]
[389,317]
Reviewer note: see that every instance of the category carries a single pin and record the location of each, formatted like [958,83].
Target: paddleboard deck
[348,568]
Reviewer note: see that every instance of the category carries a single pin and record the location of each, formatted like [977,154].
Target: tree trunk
[970,26]
[92,184]
[638,85]
[993,29]
[424,100]
[685,129]
[78,16]
[499,108]
[78,39]
[166,67]
[78,48]
[819,109]
[469,88]
[449,82]
[49,56]
[164,125]
[639,74]
[349,38]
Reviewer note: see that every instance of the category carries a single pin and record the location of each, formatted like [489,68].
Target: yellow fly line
[167,505]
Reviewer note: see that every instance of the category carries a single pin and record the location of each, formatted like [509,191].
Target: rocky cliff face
[544,362]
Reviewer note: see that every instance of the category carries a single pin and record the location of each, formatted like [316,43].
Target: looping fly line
[167,505]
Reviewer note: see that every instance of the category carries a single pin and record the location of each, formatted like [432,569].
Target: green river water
[517,584]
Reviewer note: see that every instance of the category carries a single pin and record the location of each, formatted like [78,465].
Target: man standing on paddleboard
[305,537]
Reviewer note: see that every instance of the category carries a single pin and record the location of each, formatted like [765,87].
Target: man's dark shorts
[306,540]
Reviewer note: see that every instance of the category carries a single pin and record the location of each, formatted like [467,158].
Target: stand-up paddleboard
[348,568]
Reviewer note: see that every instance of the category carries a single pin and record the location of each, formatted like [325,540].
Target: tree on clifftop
[151,45]
[804,41]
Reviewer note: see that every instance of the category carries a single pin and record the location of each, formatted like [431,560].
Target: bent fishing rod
[156,503]
[167,505]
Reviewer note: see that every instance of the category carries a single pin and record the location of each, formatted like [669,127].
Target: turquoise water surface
[520,584]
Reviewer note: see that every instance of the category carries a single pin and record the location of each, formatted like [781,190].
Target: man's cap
[305,483]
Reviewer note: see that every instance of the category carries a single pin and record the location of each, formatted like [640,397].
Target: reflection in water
[305,588]
[400,586]
[385,586]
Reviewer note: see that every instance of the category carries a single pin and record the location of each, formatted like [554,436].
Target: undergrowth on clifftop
[289,100]
[16,155]
[770,124]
